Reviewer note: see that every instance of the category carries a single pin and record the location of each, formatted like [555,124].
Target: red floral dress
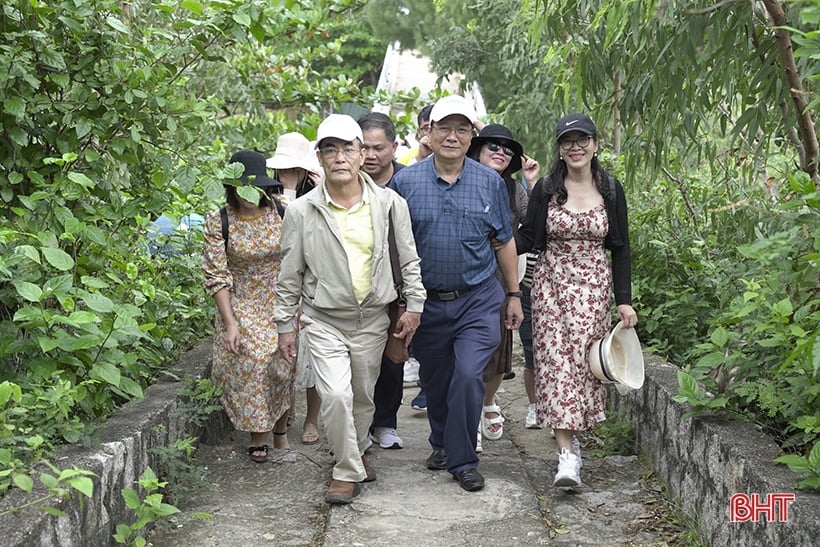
[571,308]
[257,383]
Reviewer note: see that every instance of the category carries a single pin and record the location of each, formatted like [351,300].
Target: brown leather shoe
[371,473]
[342,492]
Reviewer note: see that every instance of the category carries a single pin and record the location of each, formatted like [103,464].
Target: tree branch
[711,8]
[685,196]
[805,123]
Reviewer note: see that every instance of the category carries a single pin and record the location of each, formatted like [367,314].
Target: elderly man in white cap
[336,261]
[458,207]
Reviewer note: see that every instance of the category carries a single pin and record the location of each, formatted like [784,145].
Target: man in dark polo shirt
[457,206]
[379,150]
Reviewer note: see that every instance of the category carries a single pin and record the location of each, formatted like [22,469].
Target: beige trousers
[346,365]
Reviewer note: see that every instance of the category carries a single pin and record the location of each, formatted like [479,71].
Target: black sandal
[258,459]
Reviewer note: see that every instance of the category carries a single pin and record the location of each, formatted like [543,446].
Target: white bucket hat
[294,150]
[617,358]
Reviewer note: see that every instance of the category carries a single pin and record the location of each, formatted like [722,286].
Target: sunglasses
[495,147]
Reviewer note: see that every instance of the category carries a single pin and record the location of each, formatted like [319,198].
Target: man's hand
[287,346]
[514,316]
[407,324]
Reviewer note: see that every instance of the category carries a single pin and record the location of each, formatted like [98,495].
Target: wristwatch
[514,293]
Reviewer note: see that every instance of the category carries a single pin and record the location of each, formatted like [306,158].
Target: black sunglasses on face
[495,147]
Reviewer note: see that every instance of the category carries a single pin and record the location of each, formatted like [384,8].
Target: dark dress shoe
[469,479]
[437,460]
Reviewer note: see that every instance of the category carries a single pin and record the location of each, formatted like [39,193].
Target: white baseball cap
[339,126]
[452,105]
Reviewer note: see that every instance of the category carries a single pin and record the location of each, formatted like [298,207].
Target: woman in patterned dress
[296,167]
[575,214]
[240,274]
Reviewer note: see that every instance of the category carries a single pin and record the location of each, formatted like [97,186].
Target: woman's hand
[627,315]
[531,169]
[232,338]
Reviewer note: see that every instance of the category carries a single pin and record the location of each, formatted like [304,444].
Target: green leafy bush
[738,308]
[112,114]
[149,509]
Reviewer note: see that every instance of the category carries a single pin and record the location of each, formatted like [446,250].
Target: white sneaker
[576,449]
[411,371]
[568,469]
[386,437]
[529,420]
[478,448]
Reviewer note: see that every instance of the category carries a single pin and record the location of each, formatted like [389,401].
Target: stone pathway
[280,502]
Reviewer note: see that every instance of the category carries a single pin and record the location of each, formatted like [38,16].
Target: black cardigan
[532,235]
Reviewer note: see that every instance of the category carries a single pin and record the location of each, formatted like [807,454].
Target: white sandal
[486,422]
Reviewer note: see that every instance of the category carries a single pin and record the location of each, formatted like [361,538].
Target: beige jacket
[314,269]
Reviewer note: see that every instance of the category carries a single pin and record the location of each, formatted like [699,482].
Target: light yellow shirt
[357,237]
[409,157]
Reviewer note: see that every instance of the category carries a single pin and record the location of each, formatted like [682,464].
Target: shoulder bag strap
[394,256]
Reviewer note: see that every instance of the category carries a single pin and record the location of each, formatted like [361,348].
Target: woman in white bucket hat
[296,167]
[576,214]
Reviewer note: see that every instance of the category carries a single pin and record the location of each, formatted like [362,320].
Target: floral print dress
[257,383]
[571,308]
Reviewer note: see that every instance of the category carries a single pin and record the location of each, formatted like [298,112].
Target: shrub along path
[280,502]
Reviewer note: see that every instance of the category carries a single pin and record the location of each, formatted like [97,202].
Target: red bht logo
[745,508]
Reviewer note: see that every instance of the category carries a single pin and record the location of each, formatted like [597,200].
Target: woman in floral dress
[576,213]
[240,274]
[296,167]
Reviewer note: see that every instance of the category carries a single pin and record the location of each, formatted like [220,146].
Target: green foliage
[200,399]
[808,466]
[664,69]
[112,115]
[177,464]
[410,22]
[149,509]
[748,327]
[59,485]
[614,436]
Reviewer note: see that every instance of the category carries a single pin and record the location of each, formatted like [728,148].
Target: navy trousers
[453,344]
[387,394]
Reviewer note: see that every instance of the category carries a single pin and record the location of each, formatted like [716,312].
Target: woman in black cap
[576,213]
[496,148]
[241,263]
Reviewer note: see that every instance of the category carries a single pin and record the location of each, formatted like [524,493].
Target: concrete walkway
[280,502]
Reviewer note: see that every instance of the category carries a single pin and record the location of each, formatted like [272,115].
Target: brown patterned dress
[571,295]
[256,384]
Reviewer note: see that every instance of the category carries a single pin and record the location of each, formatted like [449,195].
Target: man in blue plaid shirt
[457,207]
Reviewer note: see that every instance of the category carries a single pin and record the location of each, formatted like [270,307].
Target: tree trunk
[805,123]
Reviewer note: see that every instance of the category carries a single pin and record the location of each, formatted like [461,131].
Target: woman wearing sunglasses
[576,214]
[496,148]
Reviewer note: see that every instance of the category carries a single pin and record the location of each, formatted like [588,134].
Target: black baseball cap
[575,122]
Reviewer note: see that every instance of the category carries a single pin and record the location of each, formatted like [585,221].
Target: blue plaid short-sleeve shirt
[453,223]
